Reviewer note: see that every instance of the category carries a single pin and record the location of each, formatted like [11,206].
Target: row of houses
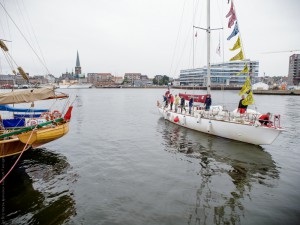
[18,80]
[106,79]
[96,79]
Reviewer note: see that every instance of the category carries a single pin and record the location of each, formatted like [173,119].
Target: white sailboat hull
[253,134]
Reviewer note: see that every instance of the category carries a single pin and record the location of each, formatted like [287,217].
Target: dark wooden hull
[11,147]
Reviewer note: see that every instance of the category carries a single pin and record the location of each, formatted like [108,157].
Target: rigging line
[34,35]
[25,38]
[2,26]
[184,46]
[65,105]
[176,43]
[8,59]
[223,51]
[13,166]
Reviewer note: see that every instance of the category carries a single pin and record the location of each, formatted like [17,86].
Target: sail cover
[13,109]
[197,98]
[28,95]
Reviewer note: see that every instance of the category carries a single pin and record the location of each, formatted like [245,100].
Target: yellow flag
[239,56]
[246,87]
[236,45]
[249,99]
[245,70]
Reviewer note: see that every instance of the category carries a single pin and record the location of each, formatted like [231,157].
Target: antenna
[280,51]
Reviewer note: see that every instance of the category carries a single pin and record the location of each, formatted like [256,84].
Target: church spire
[77,67]
[77,60]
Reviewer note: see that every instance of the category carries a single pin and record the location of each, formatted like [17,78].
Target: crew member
[265,119]
[242,108]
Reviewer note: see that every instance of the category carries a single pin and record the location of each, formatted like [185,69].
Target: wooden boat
[12,146]
[35,132]
[16,135]
[44,135]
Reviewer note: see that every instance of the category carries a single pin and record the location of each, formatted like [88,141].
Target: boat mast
[208,47]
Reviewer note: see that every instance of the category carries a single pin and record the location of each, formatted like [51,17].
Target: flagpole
[193,48]
[208,47]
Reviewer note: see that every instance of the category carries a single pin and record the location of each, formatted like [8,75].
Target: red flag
[68,113]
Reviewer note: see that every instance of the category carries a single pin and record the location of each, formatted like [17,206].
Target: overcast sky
[145,36]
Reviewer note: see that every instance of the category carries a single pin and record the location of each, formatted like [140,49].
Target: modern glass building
[221,74]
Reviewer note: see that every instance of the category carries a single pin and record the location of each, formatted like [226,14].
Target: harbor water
[121,163]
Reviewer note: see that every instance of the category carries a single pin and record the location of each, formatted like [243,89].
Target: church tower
[77,67]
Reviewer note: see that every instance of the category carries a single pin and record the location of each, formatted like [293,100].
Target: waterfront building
[7,79]
[131,77]
[67,78]
[221,74]
[144,78]
[100,79]
[38,79]
[294,70]
[118,80]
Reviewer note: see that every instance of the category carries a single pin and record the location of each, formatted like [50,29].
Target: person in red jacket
[171,101]
[265,119]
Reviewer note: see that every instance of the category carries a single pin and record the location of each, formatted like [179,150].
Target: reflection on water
[38,191]
[228,170]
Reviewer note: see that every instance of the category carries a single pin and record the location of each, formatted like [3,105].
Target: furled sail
[28,95]
[197,98]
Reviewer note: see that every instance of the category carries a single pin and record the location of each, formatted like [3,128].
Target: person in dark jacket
[182,104]
[207,103]
[191,103]
[242,108]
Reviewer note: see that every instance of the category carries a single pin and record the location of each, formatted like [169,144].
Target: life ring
[56,114]
[46,115]
[31,122]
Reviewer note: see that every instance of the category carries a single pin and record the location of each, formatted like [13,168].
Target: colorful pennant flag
[232,16]
[231,20]
[236,45]
[249,99]
[246,87]
[239,56]
[231,11]
[245,70]
[234,32]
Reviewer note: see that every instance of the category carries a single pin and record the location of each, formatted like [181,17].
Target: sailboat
[216,121]
[30,127]
[33,128]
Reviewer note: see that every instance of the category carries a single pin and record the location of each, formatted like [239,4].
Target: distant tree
[125,81]
[162,81]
